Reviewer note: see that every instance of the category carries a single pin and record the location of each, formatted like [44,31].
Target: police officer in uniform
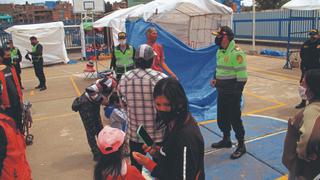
[37,61]
[122,56]
[310,57]
[16,59]
[230,79]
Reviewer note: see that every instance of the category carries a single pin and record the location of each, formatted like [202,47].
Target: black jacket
[3,147]
[181,154]
[310,55]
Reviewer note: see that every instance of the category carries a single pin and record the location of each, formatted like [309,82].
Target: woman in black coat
[182,152]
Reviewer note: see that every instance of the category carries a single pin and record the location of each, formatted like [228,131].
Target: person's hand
[151,150]
[174,76]
[144,161]
[312,157]
[105,101]
[213,82]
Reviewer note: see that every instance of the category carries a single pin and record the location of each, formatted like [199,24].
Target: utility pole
[253,27]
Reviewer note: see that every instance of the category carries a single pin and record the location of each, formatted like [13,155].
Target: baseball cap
[144,51]
[110,140]
[313,32]
[122,35]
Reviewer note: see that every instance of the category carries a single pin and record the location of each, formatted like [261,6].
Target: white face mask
[122,42]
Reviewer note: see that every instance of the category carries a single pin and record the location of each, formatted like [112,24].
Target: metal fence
[270,25]
[274,24]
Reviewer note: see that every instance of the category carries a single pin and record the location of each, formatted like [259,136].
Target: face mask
[122,42]
[218,40]
[152,37]
[164,117]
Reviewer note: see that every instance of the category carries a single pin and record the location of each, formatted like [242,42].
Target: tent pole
[288,65]
[95,45]
[189,32]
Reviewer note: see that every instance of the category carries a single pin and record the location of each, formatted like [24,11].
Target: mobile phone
[142,133]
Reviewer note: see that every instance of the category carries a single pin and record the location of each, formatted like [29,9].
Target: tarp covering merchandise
[194,67]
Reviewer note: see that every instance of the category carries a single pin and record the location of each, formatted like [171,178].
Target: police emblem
[226,58]
[239,59]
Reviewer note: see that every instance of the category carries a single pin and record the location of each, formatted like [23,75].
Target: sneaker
[38,87]
[43,88]
[241,150]
[222,144]
[301,105]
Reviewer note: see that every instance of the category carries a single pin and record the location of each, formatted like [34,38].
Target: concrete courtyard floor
[60,149]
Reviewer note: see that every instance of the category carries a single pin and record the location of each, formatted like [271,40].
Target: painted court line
[247,141]
[285,177]
[61,115]
[262,97]
[53,117]
[275,73]
[75,86]
[279,104]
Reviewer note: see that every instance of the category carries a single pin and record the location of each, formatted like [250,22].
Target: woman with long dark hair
[182,153]
[301,154]
[112,164]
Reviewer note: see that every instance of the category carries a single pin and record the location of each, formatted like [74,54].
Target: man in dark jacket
[310,57]
[37,61]
[88,105]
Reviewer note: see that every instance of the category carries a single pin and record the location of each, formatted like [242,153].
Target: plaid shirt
[137,86]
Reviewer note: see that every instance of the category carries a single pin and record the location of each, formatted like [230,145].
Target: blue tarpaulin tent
[194,67]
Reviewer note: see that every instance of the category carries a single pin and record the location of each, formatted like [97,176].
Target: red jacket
[15,165]
[132,174]
[4,97]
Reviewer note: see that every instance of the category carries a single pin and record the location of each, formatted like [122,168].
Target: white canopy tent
[50,36]
[302,5]
[116,20]
[191,21]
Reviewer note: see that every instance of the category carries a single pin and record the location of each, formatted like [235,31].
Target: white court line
[248,141]
[257,138]
[274,118]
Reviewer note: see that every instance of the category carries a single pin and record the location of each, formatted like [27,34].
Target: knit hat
[110,140]
[107,85]
[225,30]
[144,51]
[90,63]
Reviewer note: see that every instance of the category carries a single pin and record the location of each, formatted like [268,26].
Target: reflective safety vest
[231,64]
[5,97]
[124,59]
[14,55]
[15,164]
[34,49]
